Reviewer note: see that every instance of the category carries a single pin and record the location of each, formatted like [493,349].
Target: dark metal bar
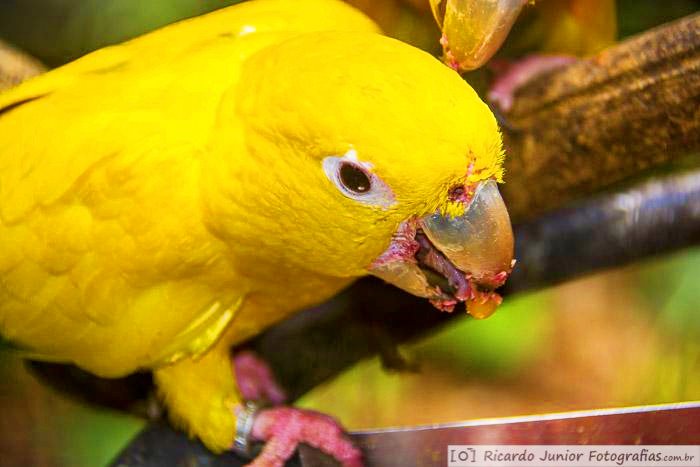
[647,219]
[665,425]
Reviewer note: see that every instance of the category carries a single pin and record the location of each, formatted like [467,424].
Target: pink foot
[255,380]
[512,76]
[283,428]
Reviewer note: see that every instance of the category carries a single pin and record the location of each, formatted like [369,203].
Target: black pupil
[354,179]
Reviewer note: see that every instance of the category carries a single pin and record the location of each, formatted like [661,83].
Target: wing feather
[102,262]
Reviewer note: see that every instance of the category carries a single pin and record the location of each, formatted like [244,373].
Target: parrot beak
[473,30]
[454,259]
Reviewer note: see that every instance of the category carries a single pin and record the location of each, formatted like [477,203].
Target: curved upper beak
[479,242]
[473,30]
[451,259]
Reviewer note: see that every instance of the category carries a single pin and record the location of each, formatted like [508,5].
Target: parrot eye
[355,180]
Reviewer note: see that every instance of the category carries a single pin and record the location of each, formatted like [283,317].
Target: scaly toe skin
[283,428]
[255,380]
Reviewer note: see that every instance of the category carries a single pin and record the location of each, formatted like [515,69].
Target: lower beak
[454,259]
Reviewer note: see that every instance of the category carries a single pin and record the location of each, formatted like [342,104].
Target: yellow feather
[164,199]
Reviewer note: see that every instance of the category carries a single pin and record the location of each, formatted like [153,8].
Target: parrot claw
[283,428]
[255,379]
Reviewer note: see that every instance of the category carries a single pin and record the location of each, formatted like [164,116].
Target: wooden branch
[581,128]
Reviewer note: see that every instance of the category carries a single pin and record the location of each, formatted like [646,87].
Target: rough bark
[581,128]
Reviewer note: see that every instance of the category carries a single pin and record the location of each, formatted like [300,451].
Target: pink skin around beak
[454,259]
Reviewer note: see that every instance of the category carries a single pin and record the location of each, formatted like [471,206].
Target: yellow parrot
[165,199]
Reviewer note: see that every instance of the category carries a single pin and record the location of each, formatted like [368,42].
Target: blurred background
[625,337]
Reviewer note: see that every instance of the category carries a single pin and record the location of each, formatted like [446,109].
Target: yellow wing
[102,262]
[174,71]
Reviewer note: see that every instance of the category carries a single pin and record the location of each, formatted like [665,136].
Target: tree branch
[630,109]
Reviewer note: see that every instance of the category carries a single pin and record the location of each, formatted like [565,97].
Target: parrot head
[368,156]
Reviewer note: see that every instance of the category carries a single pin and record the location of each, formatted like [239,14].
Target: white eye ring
[356,181]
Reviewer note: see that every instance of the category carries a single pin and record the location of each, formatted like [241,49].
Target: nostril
[457,193]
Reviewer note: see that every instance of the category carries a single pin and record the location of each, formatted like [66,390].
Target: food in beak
[455,282]
[454,259]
